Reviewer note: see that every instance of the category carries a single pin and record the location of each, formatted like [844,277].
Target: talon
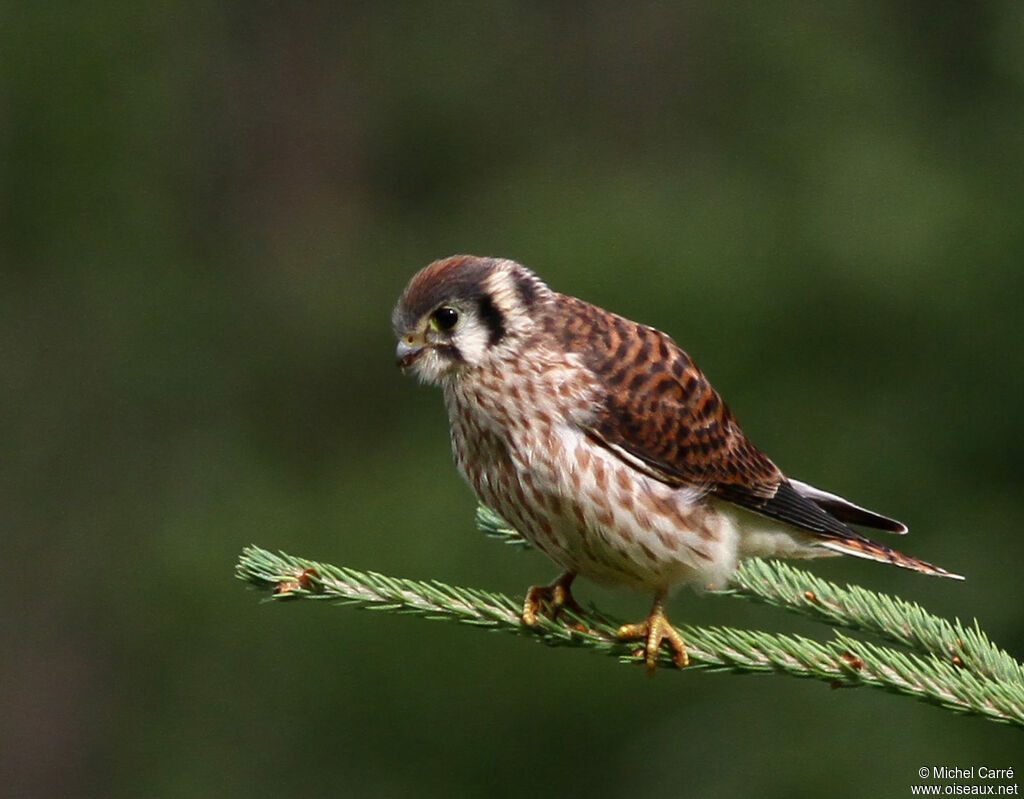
[654,630]
[556,596]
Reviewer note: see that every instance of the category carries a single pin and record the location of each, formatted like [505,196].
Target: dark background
[208,211]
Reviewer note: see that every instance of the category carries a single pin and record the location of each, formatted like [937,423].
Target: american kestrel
[600,441]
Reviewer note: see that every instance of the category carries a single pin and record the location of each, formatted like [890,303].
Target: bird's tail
[862,547]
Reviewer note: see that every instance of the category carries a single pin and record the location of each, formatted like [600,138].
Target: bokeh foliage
[206,212]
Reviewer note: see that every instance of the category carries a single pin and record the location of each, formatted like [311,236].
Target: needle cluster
[932,659]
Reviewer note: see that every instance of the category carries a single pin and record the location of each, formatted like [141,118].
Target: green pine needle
[941,662]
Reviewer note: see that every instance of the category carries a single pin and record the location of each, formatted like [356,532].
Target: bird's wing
[847,511]
[660,413]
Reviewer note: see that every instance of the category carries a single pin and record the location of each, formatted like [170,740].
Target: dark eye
[445,318]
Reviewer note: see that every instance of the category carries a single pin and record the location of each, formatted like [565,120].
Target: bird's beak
[407,352]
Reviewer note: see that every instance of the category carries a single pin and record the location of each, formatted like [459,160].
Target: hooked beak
[407,353]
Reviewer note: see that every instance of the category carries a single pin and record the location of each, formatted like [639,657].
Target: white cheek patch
[470,337]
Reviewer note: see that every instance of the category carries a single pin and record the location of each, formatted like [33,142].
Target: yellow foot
[555,596]
[653,630]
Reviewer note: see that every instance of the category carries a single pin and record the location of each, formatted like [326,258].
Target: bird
[600,441]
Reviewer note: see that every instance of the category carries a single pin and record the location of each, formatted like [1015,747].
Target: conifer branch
[798,591]
[947,664]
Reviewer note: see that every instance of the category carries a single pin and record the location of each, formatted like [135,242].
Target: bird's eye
[444,318]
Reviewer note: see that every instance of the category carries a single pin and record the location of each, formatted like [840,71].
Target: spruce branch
[946,663]
[798,591]
[891,618]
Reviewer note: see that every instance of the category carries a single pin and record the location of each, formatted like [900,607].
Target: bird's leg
[653,630]
[557,596]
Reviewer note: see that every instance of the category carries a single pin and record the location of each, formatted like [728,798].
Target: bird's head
[459,313]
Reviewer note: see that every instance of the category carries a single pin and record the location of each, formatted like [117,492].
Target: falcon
[600,441]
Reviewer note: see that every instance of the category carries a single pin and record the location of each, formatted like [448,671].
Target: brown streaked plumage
[605,446]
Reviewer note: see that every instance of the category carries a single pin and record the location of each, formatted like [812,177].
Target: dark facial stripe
[493,318]
[449,351]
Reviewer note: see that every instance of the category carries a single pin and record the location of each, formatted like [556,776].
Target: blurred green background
[208,210]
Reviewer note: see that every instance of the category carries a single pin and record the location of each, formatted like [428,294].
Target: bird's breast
[517,444]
